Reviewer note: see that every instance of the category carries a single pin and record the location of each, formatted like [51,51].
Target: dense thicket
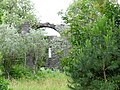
[19,50]
[94,60]
[15,47]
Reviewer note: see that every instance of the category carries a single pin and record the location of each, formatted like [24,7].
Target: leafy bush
[17,49]
[4,84]
[20,72]
[48,73]
[1,56]
[1,64]
[94,60]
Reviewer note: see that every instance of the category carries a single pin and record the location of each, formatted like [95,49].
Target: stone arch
[25,29]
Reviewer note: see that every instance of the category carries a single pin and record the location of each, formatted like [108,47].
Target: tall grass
[48,84]
[51,81]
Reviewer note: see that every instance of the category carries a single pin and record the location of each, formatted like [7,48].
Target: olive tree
[14,47]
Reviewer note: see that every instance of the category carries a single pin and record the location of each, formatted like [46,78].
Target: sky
[119,1]
[47,10]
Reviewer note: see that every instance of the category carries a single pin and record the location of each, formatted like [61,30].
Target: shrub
[17,50]
[4,84]
[94,60]
[20,72]
[48,73]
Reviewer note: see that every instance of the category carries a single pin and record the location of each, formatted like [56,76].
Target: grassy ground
[49,83]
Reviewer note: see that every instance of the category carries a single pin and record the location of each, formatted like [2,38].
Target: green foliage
[48,73]
[35,41]
[14,46]
[17,12]
[44,74]
[1,57]
[93,62]
[4,84]
[1,14]
[18,71]
[59,82]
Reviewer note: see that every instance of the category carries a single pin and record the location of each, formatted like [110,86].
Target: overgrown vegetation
[44,80]
[14,48]
[93,50]
[21,55]
[4,84]
[16,12]
[94,60]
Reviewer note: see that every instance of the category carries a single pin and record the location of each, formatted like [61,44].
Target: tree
[14,47]
[17,12]
[93,62]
